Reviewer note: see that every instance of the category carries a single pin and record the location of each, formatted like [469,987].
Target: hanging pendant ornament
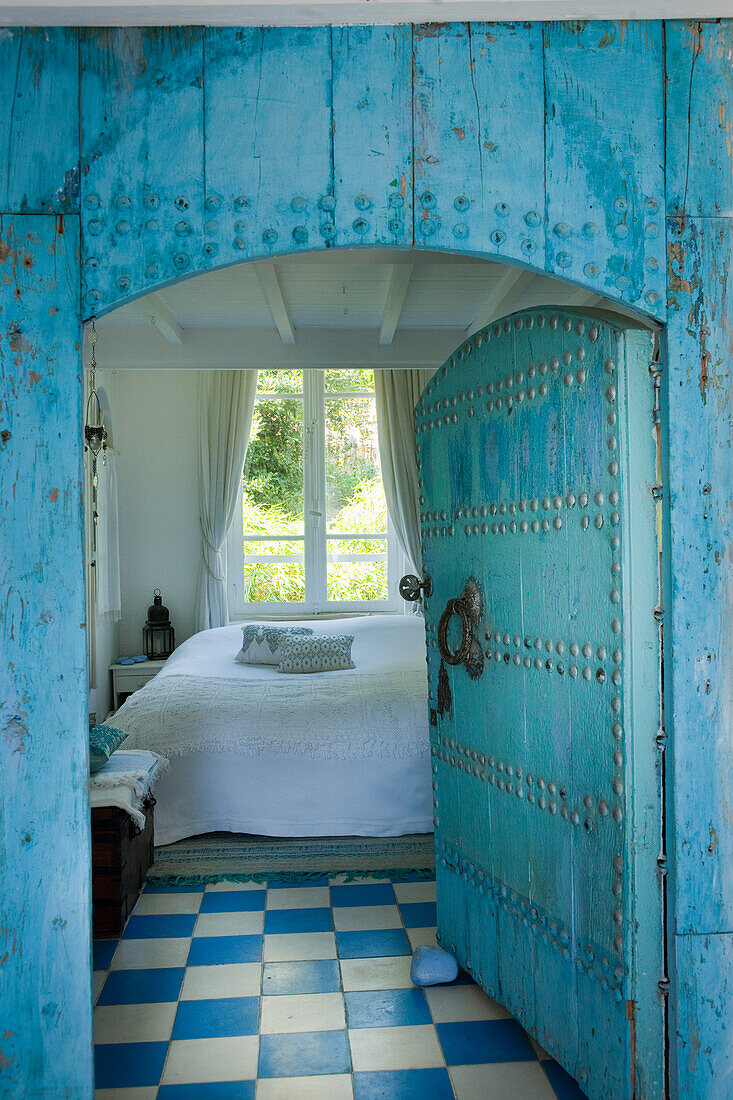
[95,432]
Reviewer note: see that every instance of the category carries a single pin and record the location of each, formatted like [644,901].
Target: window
[314,533]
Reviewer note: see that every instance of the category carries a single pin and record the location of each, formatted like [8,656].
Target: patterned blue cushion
[261,644]
[323,653]
[103,740]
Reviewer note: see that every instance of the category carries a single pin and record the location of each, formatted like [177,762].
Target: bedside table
[128,678]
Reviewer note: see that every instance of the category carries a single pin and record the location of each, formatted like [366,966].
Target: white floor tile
[389,973]
[144,1092]
[224,980]
[194,1061]
[454,1004]
[149,904]
[501,1081]
[327,1086]
[229,924]
[539,1051]
[147,954]
[218,887]
[98,978]
[365,918]
[375,1048]
[415,891]
[298,897]
[302,1012]
[418,936]
[299,946]
[146,1023]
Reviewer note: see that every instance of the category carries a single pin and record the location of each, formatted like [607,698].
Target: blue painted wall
[540,144]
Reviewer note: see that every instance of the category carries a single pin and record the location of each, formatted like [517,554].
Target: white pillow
[322,653]
[261,644]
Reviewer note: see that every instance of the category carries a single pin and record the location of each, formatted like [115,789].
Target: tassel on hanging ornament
[445,698]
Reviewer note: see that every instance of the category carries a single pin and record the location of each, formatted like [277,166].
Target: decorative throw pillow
[323,653]
[261,644]
[103,740]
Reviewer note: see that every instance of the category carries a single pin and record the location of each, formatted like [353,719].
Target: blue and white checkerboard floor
[297,992]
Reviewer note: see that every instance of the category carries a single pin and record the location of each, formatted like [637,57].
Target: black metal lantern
[159,638]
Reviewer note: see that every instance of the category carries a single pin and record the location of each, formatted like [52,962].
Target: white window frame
[315,538]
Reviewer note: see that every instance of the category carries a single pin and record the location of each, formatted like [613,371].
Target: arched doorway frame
[428,155]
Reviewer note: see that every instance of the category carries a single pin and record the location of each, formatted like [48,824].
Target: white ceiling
[363,307]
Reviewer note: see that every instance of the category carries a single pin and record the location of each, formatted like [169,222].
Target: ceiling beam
[398,284]
[506,290]
[267,274]
[156,308]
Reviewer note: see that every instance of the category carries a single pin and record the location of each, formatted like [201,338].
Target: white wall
[103,644]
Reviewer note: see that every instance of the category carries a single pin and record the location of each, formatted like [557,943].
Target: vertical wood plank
[40,82]
[700,118]
[45,1042]
[142,137]
[479,160]
[372,134]
[268,141]
[604,158]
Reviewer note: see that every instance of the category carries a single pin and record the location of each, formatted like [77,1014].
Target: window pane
[273,472]
[365,580]
[348,381]
[339,547]
[274,582]
[354,496]
[280,381]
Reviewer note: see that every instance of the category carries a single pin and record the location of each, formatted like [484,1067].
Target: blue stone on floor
[102,952]
[476,1042]
[432,966]
[403,1084]
[566,1088]
[217,1090]
[217,1018]
[387,1008]
[298,920]
[212,950]
[368,893]
[322,976]
[128,1065]
[138,987]
[304,1054]
[233,901]
[362,945]
[170,926]
[418,914]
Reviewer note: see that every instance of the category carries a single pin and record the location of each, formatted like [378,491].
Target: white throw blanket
[126,780]
[377,716]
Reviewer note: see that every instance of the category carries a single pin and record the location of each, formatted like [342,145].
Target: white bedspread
[254,750]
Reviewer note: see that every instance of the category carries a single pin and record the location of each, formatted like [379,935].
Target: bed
[252,750]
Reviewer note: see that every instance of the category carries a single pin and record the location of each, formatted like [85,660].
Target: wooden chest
[121,855]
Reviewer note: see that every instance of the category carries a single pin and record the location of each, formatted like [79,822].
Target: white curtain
[226,401]
[108,599]
[397,393]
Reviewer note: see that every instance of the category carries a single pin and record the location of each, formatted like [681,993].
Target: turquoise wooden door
[536,452]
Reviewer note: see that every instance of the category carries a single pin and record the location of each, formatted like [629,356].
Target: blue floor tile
[218,1090]
[174,925]
[233,901]
[402,1084]
[415,876]
[164,888]
[217,1018]
[387,1008]
[128,1065]
[362,945]
[476,1042]
[102,952]
[211,950]
[138,987]
[322,976]
[418,914]
[367,893]
[564,1085]
[298,920]
[304,1054]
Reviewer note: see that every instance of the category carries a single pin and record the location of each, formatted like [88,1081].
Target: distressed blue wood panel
[479,151]
[703,1052]
[45,1039]
[700,489]
[268,141]
[604,158]
[142,160]
[40,82]
[700,118]
[372,134]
